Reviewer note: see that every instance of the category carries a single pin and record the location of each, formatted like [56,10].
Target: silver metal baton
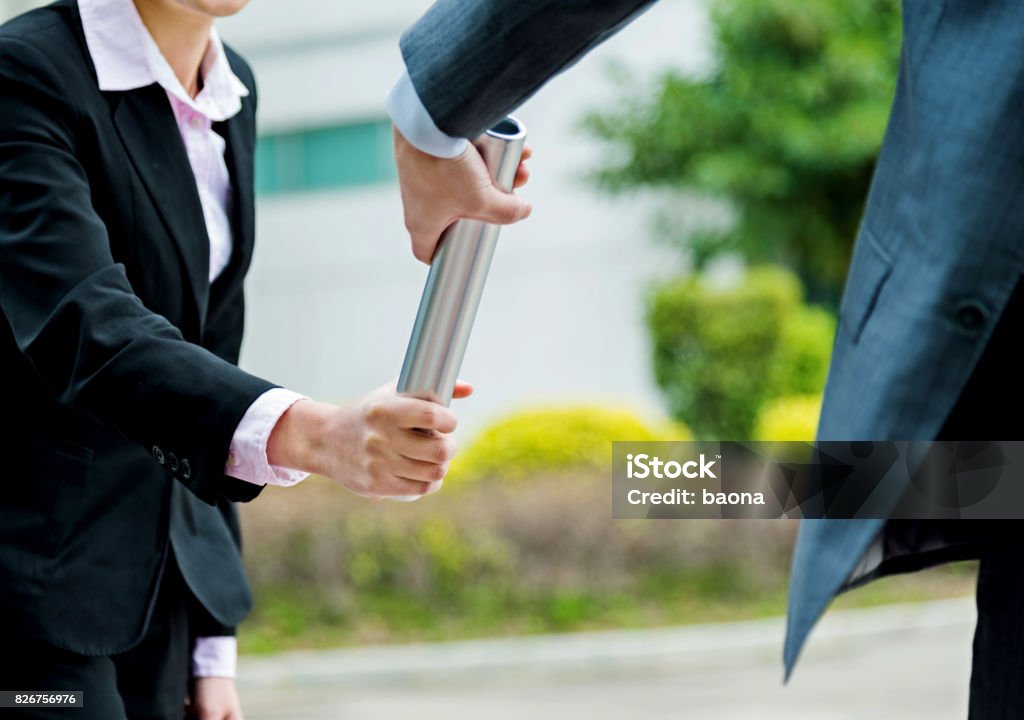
[456,281]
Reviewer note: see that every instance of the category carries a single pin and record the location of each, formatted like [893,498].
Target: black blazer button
[158,454]
[186,469]
[970,316]
[172,462]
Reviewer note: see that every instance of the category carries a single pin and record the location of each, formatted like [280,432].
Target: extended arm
[468,64]
[72,311]
[471,63]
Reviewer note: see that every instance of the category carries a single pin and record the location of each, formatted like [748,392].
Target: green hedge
[721,353]
[552,439]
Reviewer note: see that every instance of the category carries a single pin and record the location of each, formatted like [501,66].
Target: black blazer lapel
[146,125]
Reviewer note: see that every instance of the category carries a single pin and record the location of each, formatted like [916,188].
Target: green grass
[290,617]
[495,560]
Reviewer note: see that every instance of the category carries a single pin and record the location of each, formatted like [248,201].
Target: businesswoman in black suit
[126,229]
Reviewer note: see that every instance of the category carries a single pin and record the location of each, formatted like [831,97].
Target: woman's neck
[182,36]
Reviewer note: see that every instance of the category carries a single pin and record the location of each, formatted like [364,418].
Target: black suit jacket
[119,359]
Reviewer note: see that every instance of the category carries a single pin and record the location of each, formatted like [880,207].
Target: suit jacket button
[186,469]
[970,316]
[172,462]
[158,454]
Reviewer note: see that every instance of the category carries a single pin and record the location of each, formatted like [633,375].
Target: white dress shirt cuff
[215,657]
[414,122]
[247,459]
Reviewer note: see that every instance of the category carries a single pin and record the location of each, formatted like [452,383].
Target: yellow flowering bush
[793,417]
[545,440]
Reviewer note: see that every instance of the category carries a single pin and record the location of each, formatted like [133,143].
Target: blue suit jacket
[942,242]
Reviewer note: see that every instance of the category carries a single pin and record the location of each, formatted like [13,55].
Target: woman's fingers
[410,413]
[402,487]
[430,448]
[419,470]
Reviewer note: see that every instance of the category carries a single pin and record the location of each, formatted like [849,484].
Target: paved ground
[905,661]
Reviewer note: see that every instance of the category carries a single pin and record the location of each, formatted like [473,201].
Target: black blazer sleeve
[72,310]
[474,61]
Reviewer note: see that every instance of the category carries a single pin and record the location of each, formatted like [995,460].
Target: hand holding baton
[456,281]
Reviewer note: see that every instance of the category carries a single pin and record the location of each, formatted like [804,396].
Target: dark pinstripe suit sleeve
[472,62]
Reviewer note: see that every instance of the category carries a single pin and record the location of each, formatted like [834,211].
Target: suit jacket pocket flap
[869,269]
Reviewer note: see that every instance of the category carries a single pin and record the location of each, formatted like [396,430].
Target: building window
[338,156]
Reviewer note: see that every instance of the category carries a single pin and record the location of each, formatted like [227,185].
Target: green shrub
[794,417]
[720,353]
[553,439]
[803,352]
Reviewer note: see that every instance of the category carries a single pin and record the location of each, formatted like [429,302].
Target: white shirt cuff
[247,458]
[414,122]
[215,657]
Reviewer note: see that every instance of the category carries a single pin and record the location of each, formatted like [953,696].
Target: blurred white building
[334,288]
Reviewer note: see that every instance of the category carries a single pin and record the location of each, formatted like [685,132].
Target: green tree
[787,128]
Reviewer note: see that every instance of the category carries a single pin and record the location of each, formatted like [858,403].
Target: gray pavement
[901,661]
